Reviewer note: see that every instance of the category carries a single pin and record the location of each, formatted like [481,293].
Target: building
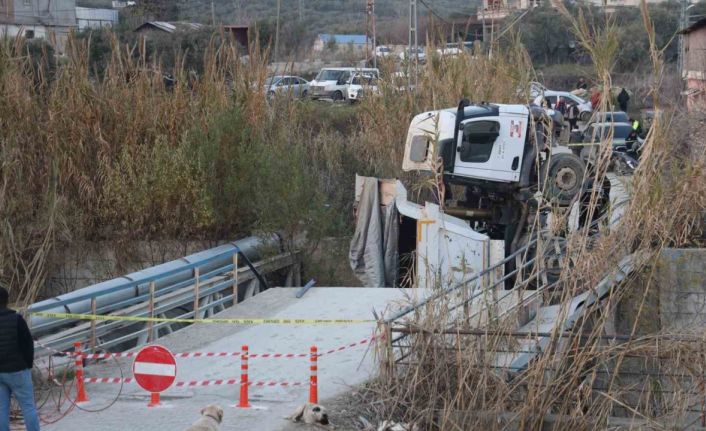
[87,17]
[167,27]
[52,20]
[499,9]
[356,41]
[694,64]
[240,33]
[120,4]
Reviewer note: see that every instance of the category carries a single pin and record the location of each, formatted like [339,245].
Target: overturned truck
[499,177]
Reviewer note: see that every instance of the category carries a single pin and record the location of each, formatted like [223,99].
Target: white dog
[310,414]
[394,426]
[211,418]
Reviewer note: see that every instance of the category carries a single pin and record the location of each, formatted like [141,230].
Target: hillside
[327,15]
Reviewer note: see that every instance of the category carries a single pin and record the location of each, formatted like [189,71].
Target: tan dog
[310,414]
[211,418]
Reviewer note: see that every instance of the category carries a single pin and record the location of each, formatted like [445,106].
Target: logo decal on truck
[515,128]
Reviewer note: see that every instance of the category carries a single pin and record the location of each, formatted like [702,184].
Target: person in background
[16,360]
[636,127]
[595,98]
[623,99]
[581,85]
[572,114]
[560,105]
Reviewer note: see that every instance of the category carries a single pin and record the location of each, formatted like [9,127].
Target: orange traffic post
[314,378]
[80,388]
[244,403]
[154,400]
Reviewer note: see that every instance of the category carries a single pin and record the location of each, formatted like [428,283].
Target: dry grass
[584,378]
[126,156]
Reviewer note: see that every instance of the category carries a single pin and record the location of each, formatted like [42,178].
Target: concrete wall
[51,13]
[681,283]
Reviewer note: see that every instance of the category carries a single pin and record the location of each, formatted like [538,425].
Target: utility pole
[279,3]
[367,32]
[484,7]
[213,15]
[413,42]
[372,12]
[683,23]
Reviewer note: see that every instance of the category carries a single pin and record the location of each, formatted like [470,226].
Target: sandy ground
[338,372]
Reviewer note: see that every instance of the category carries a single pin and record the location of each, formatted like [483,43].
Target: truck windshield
[330,75]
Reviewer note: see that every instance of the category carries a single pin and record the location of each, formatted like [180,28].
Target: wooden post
[197,288]
[235,278]
[297,275]
[384,343]
[93,325]
[150,324]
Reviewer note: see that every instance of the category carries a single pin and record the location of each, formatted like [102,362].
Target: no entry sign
[154,368]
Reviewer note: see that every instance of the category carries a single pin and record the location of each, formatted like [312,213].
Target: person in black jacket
[623,99]
[16,360]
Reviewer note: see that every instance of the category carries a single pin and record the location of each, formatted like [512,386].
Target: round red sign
[154,368]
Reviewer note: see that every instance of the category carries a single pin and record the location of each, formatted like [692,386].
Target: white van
[332,82]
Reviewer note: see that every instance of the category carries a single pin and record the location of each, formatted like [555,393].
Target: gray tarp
[373,250]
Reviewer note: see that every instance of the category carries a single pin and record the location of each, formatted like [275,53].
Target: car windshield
[273,80]
[620,131]
[363,80]
[577,99]
[330,75]
[613,117]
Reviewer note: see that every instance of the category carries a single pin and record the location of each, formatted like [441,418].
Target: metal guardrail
[526,271]
[205,291]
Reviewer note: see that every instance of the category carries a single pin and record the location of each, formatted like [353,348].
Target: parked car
[609,117]
[383,51]
[551,98]
[450,49]
[284,84]
[361,85]
[332,82]
[626,145]
[596,133]
[409,53]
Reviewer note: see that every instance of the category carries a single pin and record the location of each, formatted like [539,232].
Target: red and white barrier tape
[187,355]
[191,383]
[55,351]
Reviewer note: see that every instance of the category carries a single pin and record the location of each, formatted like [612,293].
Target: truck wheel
[561,178]
[337,96]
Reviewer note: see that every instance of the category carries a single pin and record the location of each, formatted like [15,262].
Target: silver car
[285,84]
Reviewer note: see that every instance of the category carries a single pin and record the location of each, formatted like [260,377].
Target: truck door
[491,148]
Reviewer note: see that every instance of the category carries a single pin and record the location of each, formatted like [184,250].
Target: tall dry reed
[448,374]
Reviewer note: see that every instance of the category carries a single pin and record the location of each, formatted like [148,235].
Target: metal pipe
[137,283]
[474,213]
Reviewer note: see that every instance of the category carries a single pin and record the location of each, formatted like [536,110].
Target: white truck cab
[491,141]
[496,150]
[332,82]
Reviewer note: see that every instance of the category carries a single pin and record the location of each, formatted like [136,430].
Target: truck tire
[336,96]
[561,178]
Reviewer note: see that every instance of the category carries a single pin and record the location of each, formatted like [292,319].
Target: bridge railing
[194,287]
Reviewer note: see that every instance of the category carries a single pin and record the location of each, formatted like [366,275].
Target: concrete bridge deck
[337,372]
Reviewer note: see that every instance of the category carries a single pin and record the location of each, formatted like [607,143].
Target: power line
[433,12]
